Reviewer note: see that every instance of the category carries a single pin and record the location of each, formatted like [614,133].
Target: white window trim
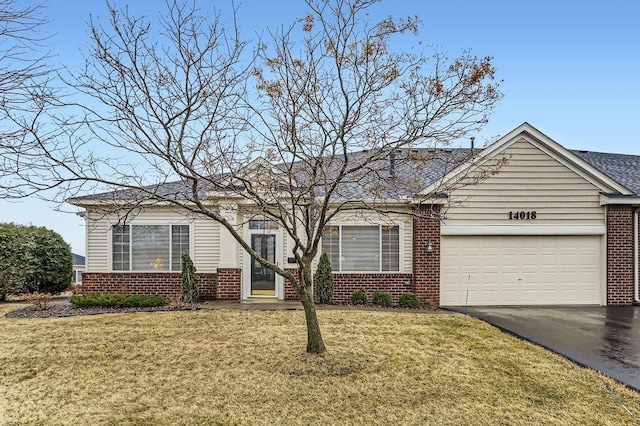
[147,223]
[379,224]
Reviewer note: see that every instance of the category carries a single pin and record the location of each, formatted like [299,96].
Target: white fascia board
[95,202]
[523,229]
[382,202]
[606,200]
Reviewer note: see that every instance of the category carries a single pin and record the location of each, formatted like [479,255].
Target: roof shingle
[623,168]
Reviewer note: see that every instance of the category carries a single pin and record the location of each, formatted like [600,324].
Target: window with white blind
[366,248]
[143,248]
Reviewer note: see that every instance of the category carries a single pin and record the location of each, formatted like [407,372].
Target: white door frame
[246,267]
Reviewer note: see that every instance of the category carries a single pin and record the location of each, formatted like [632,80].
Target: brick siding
[426,265]
[229,284]
[345,284]
[166,284]
[289,292]
[619,255]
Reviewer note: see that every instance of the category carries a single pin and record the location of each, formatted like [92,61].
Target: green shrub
[409,301]
[117,300]
[51,261]
[382,299]
[33,259]
[324,280]
[359,297]
[189,280]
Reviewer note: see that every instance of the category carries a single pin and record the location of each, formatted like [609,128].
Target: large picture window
[354,248]
[142,248]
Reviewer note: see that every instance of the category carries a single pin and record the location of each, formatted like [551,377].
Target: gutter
[636,296]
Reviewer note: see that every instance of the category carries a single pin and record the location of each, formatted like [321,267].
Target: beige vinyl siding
[408,244]
[205,239]
[531,180]
[206,245]
[97,258]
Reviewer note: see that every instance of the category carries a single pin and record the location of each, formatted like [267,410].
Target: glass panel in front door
[263,280]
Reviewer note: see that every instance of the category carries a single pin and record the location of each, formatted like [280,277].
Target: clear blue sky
[570,68]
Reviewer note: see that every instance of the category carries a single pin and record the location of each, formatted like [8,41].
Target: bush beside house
[408,301]
[189,280]
[382,299]
[33,259]
[324,280]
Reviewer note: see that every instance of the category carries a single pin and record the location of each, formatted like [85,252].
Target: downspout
[636,296]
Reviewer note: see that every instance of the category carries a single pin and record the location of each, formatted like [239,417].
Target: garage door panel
[520,270]
[548,278]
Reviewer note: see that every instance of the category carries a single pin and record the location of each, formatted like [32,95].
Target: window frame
[130,234]
[380,226]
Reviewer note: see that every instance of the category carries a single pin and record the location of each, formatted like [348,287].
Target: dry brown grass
[248,367]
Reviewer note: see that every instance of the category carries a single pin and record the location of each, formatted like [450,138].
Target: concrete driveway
[604,338]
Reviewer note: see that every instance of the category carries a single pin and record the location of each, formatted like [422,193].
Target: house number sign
[522,215]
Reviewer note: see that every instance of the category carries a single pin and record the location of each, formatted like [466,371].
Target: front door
[263,280]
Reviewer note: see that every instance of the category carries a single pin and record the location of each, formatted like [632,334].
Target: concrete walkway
[280,305]
[604,338]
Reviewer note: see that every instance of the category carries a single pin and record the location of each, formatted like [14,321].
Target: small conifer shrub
[189,280]
[324,280]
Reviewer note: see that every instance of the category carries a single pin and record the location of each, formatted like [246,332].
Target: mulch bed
[66,309]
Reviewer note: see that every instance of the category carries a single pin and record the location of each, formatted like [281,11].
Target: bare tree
[315,121]
[26,88]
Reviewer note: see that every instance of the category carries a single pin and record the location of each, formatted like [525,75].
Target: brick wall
[166,284]
[345,284]
[289,292]
[619,255]
[229,284]
[426,265]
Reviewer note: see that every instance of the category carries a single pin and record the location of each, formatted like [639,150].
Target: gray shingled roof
[411,171]
[623,168]
[405,175]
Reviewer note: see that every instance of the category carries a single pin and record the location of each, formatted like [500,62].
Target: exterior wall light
[429,246]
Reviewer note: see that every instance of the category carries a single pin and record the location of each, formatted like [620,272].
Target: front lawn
[249,367]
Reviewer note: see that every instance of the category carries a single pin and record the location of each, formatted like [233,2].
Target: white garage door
[520,270]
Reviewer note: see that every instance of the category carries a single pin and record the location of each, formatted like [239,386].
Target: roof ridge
[586,151]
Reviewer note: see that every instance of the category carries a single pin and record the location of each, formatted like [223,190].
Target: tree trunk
[315,344]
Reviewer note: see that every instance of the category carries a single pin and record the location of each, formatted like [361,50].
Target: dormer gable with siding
[539,183]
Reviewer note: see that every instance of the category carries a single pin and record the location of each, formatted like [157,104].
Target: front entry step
[261,299]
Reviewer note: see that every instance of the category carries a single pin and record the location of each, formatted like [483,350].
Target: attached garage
[521,270]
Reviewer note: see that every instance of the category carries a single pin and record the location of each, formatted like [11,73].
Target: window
[149,247]
[179,245]
[120,248]
[362,248]
[263,224]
